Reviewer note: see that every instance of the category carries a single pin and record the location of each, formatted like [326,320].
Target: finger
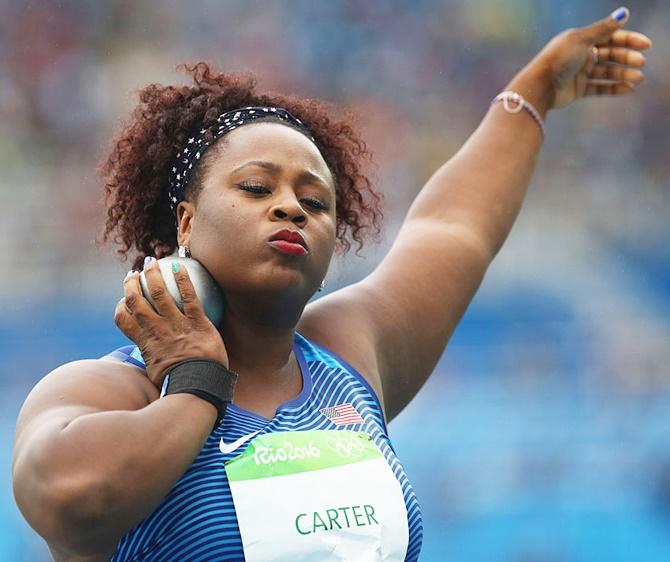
[602,30]
[162,300]
[124,320]
[134,300]
[615,73]
[605,88]
[630,39]
[621,55]
[190,301]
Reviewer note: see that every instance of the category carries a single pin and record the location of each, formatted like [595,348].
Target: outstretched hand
[599,59]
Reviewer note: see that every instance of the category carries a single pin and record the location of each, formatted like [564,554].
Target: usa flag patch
[342,414]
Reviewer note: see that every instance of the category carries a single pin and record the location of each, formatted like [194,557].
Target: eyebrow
[304,176]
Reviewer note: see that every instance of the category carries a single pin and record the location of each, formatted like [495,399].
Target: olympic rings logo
[345,446]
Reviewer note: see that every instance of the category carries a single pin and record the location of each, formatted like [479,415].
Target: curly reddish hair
[136,170]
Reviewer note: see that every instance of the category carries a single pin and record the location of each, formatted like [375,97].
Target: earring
[184,252]
[323,284]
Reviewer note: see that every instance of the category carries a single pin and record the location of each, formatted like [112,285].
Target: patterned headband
[197,144]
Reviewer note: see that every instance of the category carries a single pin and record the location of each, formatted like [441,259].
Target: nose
[288,208]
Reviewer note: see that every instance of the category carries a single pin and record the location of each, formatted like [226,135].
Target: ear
[185,213]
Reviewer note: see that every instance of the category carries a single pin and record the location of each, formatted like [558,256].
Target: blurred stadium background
[544,434]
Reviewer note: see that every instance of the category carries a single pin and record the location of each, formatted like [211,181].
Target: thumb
[603,29]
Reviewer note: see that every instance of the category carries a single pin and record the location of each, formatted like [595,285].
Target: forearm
[483,186]
[106,471]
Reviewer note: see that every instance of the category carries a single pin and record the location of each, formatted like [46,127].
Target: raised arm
[410,305]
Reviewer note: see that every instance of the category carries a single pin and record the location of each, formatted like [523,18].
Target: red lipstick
[289,242]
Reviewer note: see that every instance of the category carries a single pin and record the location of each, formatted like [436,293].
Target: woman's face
[263,178]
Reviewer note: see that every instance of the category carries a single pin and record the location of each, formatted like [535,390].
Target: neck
[258,333]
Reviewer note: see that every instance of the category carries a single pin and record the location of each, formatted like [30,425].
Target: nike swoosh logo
[226,448]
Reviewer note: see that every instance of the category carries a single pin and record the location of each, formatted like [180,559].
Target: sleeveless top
[197,521]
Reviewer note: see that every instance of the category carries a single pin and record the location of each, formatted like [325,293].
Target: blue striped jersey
[196,521]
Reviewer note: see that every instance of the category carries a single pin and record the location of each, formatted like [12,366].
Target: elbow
[69,511]
[479,244]
[83,503]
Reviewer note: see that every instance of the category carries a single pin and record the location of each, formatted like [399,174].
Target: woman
[269,439]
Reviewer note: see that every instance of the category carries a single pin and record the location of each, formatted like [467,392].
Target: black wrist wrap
[205,378]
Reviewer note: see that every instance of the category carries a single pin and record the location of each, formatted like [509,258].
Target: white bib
[317,495]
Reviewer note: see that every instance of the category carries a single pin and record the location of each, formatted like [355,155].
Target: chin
[288,283]
[276,282]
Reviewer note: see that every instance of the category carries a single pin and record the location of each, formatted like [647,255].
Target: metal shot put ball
[205,287]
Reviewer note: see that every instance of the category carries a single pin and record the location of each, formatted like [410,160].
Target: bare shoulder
[336,322]
[86,386]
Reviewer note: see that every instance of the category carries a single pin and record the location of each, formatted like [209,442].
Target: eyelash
[258,189]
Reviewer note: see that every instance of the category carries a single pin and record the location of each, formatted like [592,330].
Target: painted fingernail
[175,267]
[620,14]
[147,260]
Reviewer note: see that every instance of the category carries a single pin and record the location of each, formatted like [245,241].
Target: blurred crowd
[418,73]
[577,304]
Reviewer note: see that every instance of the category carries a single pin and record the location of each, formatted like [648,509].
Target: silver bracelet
[519,103]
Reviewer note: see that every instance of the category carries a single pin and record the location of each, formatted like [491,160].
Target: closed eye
[315,204]
[253,188]
[258,189]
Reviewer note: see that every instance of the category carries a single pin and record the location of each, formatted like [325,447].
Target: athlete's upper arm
[80,388]
[417,296]
[401,316]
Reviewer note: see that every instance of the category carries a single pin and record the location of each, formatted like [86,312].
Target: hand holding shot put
[165,335]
